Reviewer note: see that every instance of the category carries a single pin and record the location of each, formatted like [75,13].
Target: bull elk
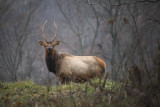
[68,67]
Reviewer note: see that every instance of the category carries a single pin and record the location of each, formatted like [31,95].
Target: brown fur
[63,66]
[102,63]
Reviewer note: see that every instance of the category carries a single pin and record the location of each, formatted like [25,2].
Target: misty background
[124,33]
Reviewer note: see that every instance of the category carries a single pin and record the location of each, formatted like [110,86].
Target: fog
[123,33]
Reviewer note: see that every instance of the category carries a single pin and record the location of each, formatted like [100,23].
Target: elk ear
[41,43]
[56,43]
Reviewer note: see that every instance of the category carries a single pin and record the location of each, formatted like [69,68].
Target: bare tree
[13,42]
[78,24]
[123,18]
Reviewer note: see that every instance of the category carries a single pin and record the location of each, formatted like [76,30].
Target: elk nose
[49,49]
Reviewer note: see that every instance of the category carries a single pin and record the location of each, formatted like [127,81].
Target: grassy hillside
[27,93]
[89,94]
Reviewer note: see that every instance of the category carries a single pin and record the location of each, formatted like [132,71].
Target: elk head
[49,46]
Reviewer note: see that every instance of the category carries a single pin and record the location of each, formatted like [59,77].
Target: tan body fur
[80,68]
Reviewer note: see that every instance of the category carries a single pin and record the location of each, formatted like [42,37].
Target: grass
[88,94]
[28,93]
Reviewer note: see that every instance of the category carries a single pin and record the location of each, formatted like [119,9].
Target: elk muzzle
[49,50]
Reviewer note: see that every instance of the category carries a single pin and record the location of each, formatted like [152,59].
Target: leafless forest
[124,33]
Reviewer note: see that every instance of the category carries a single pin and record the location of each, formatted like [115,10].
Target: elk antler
[55,33]
[43,30]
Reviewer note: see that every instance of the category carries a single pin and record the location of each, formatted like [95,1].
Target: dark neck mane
[53,61]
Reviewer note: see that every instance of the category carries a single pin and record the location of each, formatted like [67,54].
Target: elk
[68,67]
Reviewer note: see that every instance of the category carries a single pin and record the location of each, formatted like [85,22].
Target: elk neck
[53,60]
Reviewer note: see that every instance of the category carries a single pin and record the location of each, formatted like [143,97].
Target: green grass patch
[28,93]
